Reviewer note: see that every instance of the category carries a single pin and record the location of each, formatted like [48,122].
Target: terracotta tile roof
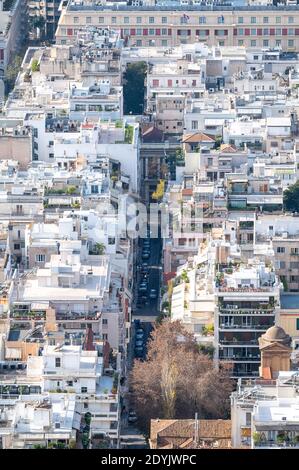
[214,433]
[198,137]
[187,192]
[228,148]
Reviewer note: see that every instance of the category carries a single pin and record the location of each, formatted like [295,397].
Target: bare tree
[177,380]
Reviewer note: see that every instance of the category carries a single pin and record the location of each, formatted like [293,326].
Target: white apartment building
[263,413]
[80,372]
[34,421]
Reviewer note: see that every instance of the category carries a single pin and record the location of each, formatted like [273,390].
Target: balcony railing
[251,342]
[240,358]
[244,327]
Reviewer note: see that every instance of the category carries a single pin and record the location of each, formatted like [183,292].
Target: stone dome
[275,333]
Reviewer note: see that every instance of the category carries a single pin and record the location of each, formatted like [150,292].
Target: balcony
[244,327]
[237,358]
[232,343]
[246,311]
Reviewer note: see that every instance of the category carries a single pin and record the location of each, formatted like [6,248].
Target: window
[294,278]
[85,405]
[126,19]
[194,125]
[69,383]
[51,155]
[126,32]
[202,20]
[94,189]
[221,43]
[139,19]
[280,249]
[138,32]
[58,383]
[282,264]
[241,32]
[253,20]
[291,31]
[105,336]
[40,258]
[151,32]
[139,43]
[57,362]
[253,32]
[294,264]
[266,19]
[278,19]
[83,389]
[294,251]
[290,19]
[248,419]
[113,20]
[253,43]
[278,32]
[220,19]
[278,42]
[88,19]
[151,20]
[240,20]
[105,321]
[265,43]
[290,43]
[240,42]
[76,19]
[17,246]
[266,32]
[164,32]
[164,42]
[101,19]
[297,323]
[164,19]
[111,241]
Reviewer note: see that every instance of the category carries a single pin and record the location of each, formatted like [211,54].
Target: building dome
[275,333]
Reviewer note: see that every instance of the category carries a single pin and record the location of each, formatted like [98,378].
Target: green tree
[177,379]
[35,66]
[134,88]
[12,71]
[291,197]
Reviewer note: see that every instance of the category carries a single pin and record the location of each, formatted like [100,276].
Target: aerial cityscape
[149,224]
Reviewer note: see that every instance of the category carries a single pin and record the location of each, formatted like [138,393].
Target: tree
[177,379]
[12,71]
[291,197]
[35,66]
[134,88]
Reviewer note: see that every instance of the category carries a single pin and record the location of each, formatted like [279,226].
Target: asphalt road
[150,307]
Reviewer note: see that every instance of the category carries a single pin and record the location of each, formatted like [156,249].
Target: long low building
[249,26]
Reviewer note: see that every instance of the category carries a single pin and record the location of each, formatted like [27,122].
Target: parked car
[132,417]
[145,255]
[143,287]
[139,331]
[153,294]
[139,352]
[139,336]
[139,344]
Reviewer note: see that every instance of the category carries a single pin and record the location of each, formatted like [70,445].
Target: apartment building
[281,233]
[263,412]
[168,87]
[248,304]
[44,14]
[162,25]
[38,421]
